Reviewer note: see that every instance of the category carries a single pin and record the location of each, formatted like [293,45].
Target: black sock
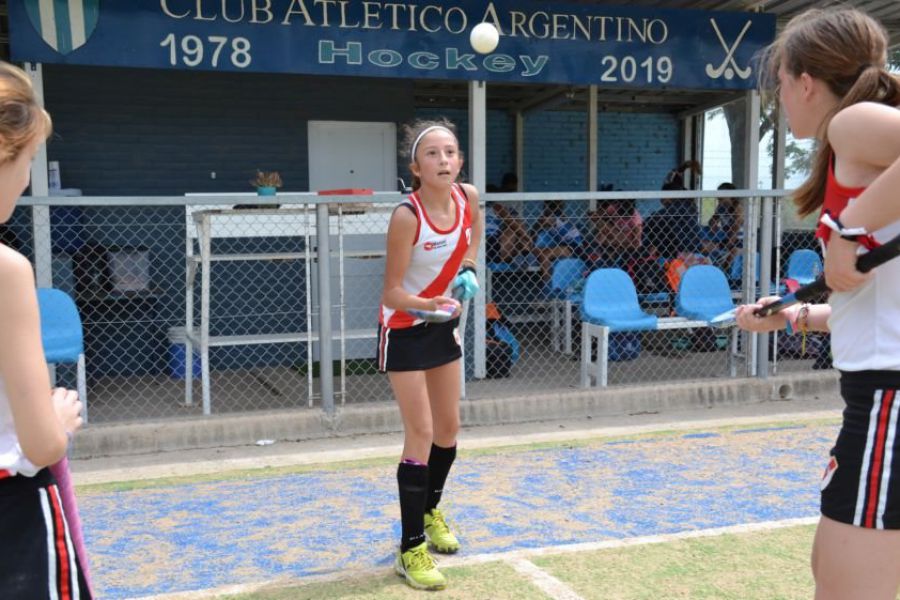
[439,463]
[412,479]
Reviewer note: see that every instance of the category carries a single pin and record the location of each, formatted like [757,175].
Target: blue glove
[465,286]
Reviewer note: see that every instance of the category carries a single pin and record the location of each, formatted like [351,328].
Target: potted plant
[266,182]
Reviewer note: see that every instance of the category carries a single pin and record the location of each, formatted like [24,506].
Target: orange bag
[676,267]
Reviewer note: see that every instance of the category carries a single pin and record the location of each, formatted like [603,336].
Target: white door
[345,154]
[352,154]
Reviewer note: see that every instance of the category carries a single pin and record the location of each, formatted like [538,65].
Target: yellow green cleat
[416,565]
[438,534]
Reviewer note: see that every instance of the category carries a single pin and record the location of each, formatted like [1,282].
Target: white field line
[510,557]
[469,440]
[543,580]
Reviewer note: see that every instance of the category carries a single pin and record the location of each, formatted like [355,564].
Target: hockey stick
[864,264]
[63,477]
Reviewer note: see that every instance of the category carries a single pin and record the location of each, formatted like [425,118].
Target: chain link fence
[195,306]
[799,261]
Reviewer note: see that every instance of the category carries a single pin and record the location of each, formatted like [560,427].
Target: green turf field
[764,565]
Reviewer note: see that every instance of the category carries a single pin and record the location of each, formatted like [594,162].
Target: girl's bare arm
[41,434]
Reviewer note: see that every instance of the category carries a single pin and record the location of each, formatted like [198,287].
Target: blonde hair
[847,50]
[411,137]
[22,119]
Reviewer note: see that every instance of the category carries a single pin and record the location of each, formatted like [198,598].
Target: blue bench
[610,305]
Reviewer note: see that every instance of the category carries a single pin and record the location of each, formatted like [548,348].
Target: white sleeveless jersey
[436,257]
[865,322]
[12,460]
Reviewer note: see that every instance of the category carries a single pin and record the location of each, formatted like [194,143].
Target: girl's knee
[446,431]
[421,433]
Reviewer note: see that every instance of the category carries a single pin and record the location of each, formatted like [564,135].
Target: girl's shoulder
[470,191]
[16,277]
[867,133]
[405,214]
[12,263]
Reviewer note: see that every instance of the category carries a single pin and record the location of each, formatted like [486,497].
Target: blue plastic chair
[62,336]
[804,266]
[562,294]
[703,293]
[611,300]
[566,273]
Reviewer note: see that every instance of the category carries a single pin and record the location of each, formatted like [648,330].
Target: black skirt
[36,550]
[418,348]
[861,484]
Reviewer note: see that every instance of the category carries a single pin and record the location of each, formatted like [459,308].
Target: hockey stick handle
[864,264]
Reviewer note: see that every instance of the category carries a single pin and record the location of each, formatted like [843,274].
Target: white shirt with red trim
[436,257]
[865,322]
[12,459]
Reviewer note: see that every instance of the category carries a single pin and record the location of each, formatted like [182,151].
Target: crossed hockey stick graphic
[729,66]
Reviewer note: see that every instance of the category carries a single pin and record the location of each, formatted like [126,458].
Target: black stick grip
[864,264]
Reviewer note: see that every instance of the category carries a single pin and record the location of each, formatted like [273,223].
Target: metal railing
[221,298]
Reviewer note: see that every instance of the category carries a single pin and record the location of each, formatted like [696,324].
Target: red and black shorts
[417,348]
[37,557]
[861,483]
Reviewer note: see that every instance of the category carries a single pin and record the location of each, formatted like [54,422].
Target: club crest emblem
[64,25]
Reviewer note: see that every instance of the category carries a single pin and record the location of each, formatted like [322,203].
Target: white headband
[419,137]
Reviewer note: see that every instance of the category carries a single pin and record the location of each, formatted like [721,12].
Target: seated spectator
[675,228]
[556,236]
[506,236]
[729,211]
[618,232]
[714,241]
[731,222]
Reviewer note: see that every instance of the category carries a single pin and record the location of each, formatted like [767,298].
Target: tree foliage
[798,156]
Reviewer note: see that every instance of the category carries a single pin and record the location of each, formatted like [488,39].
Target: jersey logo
[429,246]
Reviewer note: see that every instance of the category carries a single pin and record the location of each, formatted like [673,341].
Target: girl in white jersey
[37,560]
[432,242]
[832,82]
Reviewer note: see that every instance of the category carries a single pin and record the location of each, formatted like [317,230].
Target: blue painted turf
[207,535]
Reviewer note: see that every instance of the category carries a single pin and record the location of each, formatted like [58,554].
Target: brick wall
[636,150]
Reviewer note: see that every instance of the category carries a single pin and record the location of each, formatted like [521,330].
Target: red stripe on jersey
[62,549]
[878,457]
[401,319]
[451,267]
[4,474]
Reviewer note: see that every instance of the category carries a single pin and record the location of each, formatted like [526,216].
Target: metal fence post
[765,281]
[323,253]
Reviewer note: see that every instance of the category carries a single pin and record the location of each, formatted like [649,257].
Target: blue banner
[541,42]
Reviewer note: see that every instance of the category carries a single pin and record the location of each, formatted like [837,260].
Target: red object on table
[347,192]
